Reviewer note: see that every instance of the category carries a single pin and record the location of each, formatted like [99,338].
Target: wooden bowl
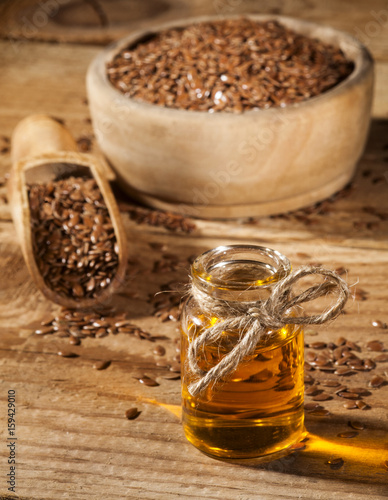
[235,165]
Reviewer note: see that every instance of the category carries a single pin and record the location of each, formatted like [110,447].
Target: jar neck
[239,273]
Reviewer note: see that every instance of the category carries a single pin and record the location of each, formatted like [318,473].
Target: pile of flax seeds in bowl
[233,65]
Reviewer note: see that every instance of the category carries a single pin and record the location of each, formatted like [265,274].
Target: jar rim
[276,264]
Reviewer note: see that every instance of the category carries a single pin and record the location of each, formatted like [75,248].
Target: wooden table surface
[73,440]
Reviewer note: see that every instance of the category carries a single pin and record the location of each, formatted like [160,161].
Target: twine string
[253,319]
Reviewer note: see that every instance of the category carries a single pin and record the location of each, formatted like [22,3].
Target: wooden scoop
[44,151]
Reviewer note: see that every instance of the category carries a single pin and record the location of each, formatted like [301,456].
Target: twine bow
[253,319]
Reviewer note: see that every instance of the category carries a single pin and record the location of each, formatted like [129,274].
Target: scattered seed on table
[101,365]
[376,381]
[341,270]
[132,413]
[378,324]
[340,389]
[358,426]
[318,345]
[312,406]
[350,405]
[67,354]
[101,332]
[322,397]
[175,368]
[375,345]
[44,330]
[369,364]
[381,358]
[347,434]
[308,379]
[171,376]
[361,405]
[311,356]
[320,413]
[343,370]
[360,294]
[330,383]
[335,463]
[298,447]
[347,395]
[46,321]
[353,345]
[74,340]
[359,390]
[148,381]
[162,364]
[159,350]
[340,341]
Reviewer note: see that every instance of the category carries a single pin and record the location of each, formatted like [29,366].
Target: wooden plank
[71,427]
[106,20]
[73,438]
[40,87]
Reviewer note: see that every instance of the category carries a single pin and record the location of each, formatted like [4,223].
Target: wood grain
[73,438]
[102,21]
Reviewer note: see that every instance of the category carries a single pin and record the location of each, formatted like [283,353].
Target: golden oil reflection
[174,409]
[364,457]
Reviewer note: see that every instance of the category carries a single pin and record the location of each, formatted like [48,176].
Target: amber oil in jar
[258,410]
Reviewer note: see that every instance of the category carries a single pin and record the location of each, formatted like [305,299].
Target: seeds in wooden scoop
[73,237]
[231,65]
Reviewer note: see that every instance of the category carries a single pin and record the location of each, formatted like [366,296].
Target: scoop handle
[39,134]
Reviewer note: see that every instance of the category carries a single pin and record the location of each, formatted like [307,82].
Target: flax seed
[376,381]
[358,426]
[336,463]
[347,434]
[101,365]
[270,65]
[132,413]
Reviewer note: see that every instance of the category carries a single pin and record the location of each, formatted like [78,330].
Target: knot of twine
[253,319]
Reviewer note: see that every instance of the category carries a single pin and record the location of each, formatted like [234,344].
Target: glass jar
[258,410]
